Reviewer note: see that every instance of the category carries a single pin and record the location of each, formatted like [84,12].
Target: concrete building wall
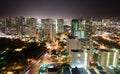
[108,58]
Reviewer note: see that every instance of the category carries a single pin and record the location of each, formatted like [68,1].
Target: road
[34,68]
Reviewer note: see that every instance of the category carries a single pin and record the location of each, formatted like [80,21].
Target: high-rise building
[79,42]
[67,25]
[108,58]
[59,26]
[74,26]
[13,28]
[79,58]
[31,23]
[8,25]
[48,27]
[2,24]
[67,22]
[20,22]
[38,30]
[67,28]
[78,28]
[8,22]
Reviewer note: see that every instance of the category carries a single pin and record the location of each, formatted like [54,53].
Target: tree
[4,43]
[53,52]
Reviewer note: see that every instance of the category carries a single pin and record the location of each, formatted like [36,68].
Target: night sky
[60,8]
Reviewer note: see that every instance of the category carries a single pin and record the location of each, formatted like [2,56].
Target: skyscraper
[48,27]
[74,26]
[2,24]
[59,26]
[31,23]
[20,21]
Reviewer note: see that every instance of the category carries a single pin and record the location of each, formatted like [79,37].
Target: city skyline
[59,37]
[60,8]
[88,45]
